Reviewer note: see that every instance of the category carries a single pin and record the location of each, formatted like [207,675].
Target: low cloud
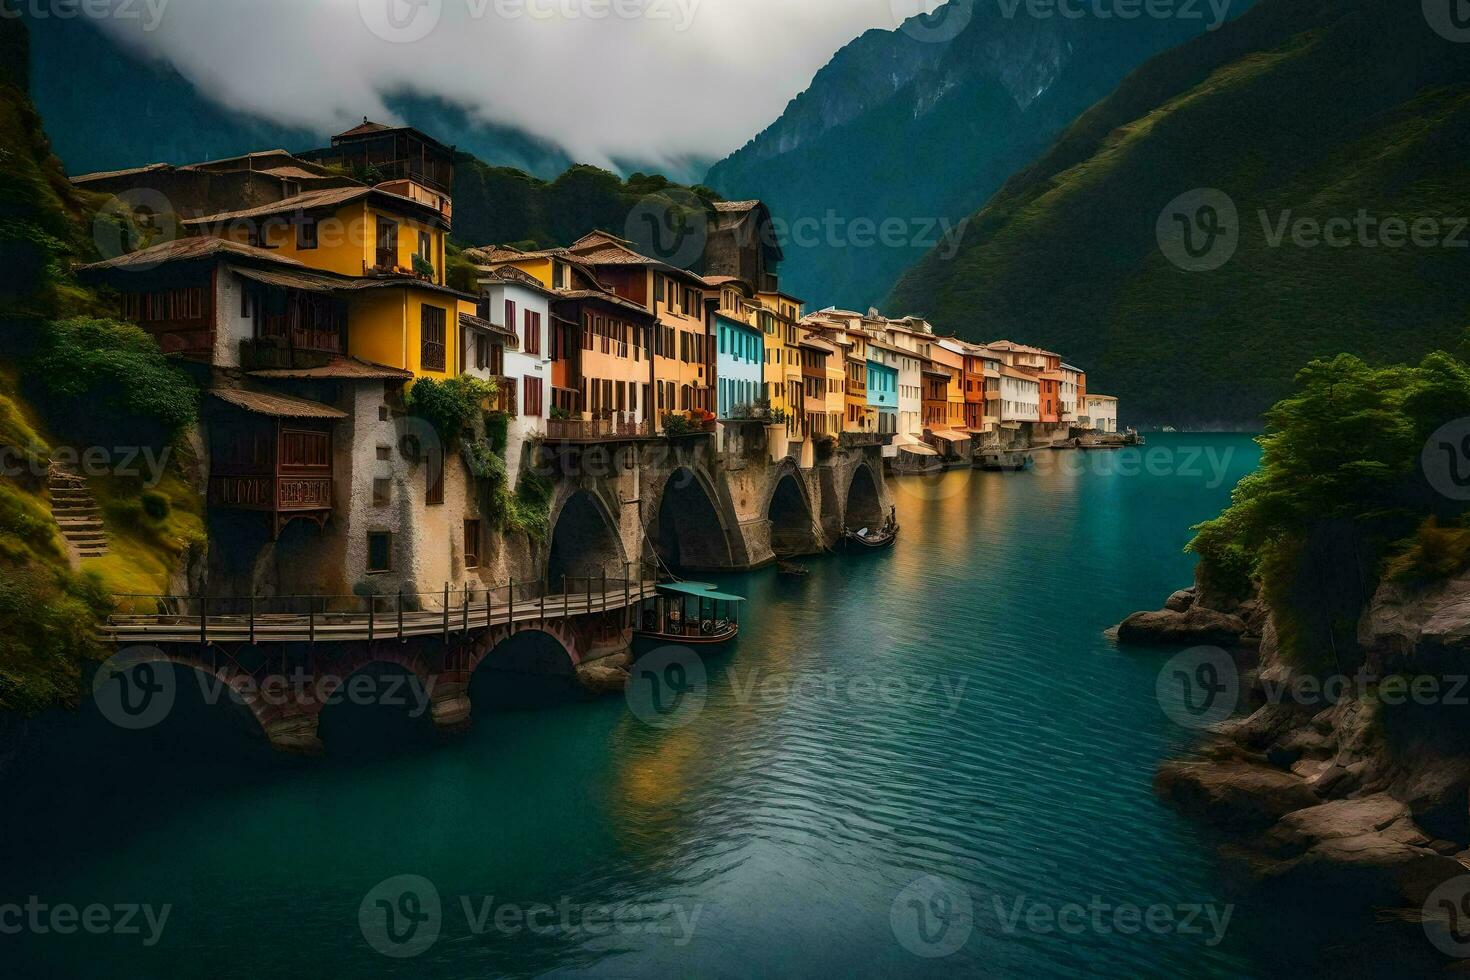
[645,79]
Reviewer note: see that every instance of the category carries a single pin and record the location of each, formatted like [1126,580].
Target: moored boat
[694,613]
[791,569]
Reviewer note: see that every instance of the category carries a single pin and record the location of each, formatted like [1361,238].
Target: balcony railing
[596,430]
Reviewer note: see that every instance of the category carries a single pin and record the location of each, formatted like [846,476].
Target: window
[432,336]
[387,243]
[471,544]
[380,552]
[534,398]
[385,454]
[426,247]
[532,340]
[658,288]
[306,237]
[510,315]
[382,493]
[434,476]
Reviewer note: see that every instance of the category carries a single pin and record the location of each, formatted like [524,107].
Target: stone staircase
[77,514]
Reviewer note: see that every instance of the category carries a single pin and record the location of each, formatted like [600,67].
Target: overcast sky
[681,77]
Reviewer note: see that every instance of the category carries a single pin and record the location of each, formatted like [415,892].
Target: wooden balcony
[277,465]
[597,430]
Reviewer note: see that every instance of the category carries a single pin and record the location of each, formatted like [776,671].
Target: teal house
[883,394]
[739,365]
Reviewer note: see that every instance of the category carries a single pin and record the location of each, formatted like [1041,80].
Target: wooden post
[566,598]
[466,629]
[204,621]
[510,612]
[372,615]
[604,588]
[446,612]
[400,614]
[311,621]
[627,590]
[252,616]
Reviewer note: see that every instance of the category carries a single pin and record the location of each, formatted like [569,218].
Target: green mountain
[1349,115]
[917,127]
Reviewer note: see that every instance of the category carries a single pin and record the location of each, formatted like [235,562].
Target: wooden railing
[596,430]
[354,619]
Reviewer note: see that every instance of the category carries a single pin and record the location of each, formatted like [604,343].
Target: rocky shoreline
[1352,791]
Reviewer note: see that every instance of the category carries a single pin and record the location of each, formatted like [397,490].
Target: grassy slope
[1320,107]
[48,612]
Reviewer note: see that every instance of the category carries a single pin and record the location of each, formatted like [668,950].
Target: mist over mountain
[918,127]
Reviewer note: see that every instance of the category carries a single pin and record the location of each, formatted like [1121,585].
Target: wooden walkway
[460,615]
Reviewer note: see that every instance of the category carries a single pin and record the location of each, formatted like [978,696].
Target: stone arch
[584,540]
[788,508]
[692,526]
[228,674]
[520,666]
[863,503]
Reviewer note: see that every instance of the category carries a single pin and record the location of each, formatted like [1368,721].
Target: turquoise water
[961,730]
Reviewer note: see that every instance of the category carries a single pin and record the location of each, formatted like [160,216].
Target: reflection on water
[946,715]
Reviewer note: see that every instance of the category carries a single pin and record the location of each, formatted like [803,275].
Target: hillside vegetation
[1301,109]
[70,377]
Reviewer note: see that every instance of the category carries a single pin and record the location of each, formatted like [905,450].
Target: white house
[1020,397]
[509,343]
[1103,411]
[1072,395]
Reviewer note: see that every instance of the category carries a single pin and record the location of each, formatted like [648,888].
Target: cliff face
[1351,788]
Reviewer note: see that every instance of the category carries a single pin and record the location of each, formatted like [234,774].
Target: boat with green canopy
[689,612]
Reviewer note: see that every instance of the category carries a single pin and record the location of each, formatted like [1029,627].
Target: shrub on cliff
[1340,481]
[450,406]
[103,380]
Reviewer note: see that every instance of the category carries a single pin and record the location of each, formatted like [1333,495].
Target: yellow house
[783,357]
[401,312]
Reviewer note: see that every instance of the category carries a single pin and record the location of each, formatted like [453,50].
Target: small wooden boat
[870,539]
[693,613]
[791,569]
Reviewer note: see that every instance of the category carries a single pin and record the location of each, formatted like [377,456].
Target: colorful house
[741,358]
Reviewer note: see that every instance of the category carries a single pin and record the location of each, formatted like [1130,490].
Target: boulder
[1233,795]
[602,678]
[1197,626]
[1180,601]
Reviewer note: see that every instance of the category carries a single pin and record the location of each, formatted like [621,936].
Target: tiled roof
[188,249]
[106,174]
[339,369]
[276,406]
[311,200]
[480,323]
[736,207]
